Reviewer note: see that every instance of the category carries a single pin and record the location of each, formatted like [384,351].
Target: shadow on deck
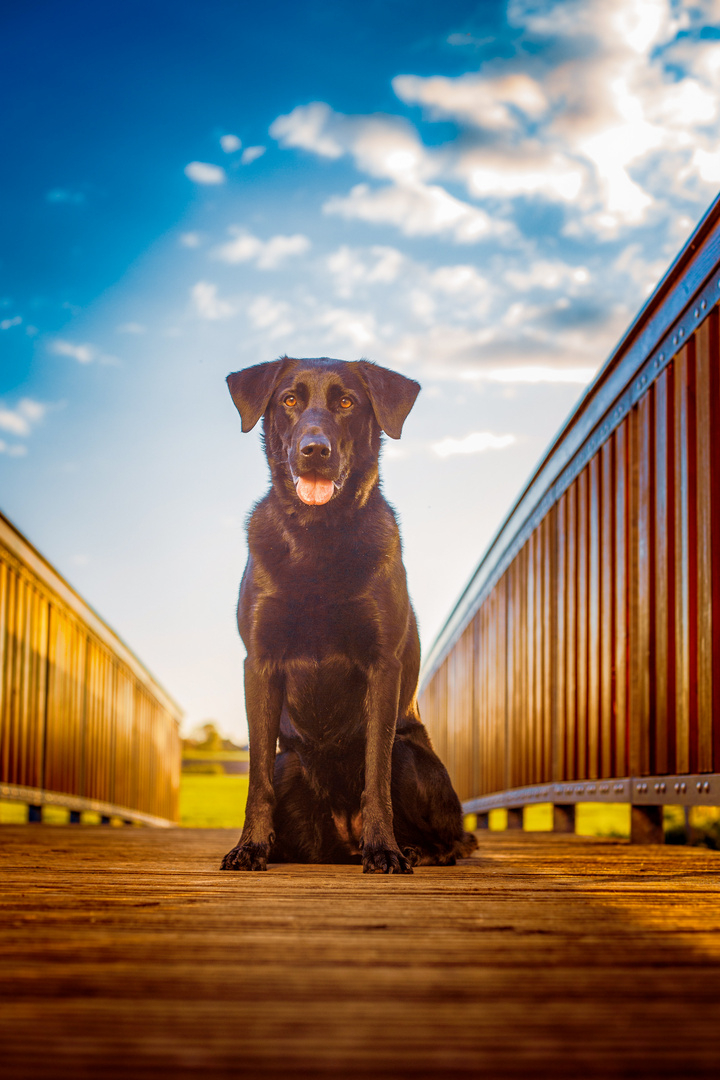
[127,954]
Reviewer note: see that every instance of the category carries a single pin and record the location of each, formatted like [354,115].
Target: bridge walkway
[126,953]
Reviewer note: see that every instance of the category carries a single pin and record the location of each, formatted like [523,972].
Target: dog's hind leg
[428,818]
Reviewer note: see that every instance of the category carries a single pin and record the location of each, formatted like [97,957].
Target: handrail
[83,723]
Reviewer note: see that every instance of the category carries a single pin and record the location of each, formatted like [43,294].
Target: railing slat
[682,562]
[606,608]
[704,429]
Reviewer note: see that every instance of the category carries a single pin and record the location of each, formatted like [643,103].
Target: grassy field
[210,801]
[207,801]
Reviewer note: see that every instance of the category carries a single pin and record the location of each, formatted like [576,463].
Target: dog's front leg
[263,701]
[380,853]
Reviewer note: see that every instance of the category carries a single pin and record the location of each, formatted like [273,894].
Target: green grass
[211,801]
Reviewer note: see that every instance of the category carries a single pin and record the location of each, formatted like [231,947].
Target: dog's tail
[465,846]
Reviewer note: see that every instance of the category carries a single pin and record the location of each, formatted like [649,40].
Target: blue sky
[479,195]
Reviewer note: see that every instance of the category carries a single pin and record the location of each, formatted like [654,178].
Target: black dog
[333,652]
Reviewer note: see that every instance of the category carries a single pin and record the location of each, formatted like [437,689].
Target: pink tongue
[314,490]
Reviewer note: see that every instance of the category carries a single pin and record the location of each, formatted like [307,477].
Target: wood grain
[126,954]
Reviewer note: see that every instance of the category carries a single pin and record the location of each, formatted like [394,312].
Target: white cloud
[12,421]
[707,165]
[613,83]
[496,103]
[547,274]
[608,108]
[7,324]
[12,449]
[266,254]
[271,315]
[459,281]
[356,327]
[202,173]
[538,373]
[635,267]
[352,269]
[476,443]
[516,171]
[131,328]
[417,210]
[386,147]
[33,410]
[190,239]
[230,143]
[207,303]
[84,354]
[252,153]
[20,420]
[449,348]
[304,128]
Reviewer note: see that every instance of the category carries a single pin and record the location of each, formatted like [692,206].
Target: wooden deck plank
[126,953]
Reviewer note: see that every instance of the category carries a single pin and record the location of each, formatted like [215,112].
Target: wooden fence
[582,662]
[82,723]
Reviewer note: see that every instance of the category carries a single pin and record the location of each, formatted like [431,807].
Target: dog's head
[322,420]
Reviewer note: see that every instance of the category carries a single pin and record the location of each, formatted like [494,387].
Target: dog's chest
[316,604]
[314,625]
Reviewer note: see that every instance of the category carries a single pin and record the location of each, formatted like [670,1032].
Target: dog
[342,769]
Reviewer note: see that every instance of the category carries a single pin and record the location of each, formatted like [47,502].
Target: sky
[478,195]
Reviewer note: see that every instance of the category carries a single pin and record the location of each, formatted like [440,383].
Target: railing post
[515,818]
[564,817]
[34,815]
[646,825]
[483,821]
[74,817]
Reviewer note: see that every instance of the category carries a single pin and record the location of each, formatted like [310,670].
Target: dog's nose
[315,446]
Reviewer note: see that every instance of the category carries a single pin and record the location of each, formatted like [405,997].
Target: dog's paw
[413,855]
[246,856]
[385,861]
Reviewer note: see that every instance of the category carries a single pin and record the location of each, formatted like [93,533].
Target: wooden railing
[582,662]
[83,725]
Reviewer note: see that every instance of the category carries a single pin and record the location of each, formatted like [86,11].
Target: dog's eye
[290,400]
[346,402]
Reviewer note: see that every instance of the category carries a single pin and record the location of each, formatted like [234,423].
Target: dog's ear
[251,390]
[392,396]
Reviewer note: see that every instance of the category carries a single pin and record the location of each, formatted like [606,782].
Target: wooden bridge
[581,664]
[127,954]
